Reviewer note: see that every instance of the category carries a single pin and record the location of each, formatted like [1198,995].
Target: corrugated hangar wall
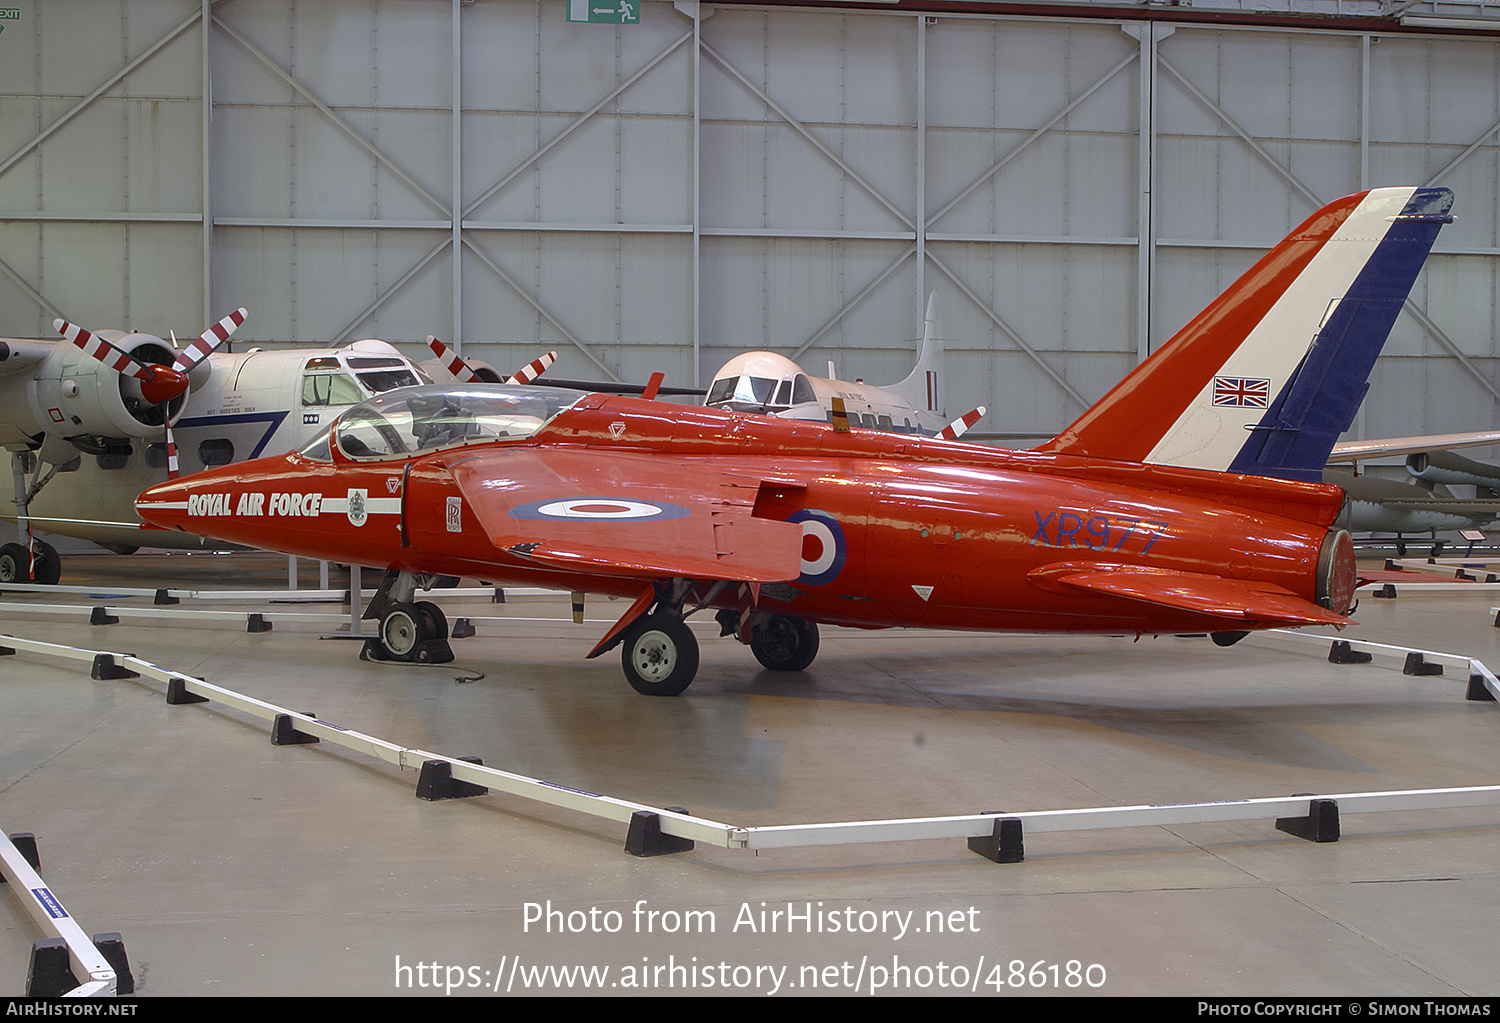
[663,194]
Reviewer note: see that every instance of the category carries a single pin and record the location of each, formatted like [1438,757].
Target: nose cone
[164,505]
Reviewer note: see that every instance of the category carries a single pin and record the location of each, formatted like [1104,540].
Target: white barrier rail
[674,823]
[46,910]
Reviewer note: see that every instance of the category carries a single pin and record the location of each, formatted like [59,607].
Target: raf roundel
[575,509]
[822,546]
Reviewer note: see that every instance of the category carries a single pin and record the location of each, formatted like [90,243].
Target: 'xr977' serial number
[1096,533]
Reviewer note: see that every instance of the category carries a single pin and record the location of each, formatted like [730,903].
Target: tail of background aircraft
[1266,378]
[920,388]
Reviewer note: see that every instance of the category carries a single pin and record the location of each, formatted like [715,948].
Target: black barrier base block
[437,782]
[99,616]
[1321,825]
[5,651]
[284,733]
[1416,665]
[647,839]
[1005,845]
[49,975]
[25,843]
[1388,591]
[257,623]
[1478,690]
[1342,653]
[105,669]
[112,948]
[177,693]
[462,629]
[163,598]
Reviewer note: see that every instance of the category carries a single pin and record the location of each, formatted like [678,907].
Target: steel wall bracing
[661,195]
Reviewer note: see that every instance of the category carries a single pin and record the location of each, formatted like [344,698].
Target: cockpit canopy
[414,420]
[760,382]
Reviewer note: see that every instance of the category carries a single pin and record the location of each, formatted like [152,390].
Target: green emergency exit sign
[607,12]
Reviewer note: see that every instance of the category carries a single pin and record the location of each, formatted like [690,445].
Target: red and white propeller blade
[114,358]
[960,426]
[209,340]
[461,371]
[533,369]
[457,368]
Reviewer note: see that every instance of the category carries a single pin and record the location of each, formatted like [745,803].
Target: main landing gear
[659,653]
[413,631]
[16,564]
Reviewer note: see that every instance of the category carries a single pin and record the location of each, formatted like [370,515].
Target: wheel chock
[1478,690]
[112,947]
[434,651]
[99,616]
[177,693]
[1320,825]
[462,629]
[25,844]
[284,733]
[1415,665]
[49,975]
[163,597]
[1005,844]
[437,782]
[1342,653]
[105,669]
[647,839]
[257,623]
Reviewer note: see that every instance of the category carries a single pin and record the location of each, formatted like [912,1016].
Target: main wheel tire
[659,655]
[784,643]
[48,564]
[435,623]
[401,632]
[15,564]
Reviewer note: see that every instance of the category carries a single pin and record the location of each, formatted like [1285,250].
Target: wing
[1354,450]
[1239,600]
[19,354]
[628,514]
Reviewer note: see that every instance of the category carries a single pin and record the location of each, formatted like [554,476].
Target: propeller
[159,384]
[465,374]
[960,426]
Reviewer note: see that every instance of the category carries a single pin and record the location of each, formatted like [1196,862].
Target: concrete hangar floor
[231,866]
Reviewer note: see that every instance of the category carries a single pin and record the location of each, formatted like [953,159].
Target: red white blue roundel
[596,509]
[822,546]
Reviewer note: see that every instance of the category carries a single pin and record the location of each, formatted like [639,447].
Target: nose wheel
[413,632]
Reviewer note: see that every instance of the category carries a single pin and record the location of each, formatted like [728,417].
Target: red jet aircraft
[1184,501]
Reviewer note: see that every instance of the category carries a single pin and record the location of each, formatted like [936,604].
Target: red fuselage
[897,530]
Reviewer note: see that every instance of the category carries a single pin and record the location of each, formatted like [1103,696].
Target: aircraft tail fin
[920,388]
[1266,378]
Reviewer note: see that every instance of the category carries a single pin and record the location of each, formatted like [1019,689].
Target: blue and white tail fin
[1266,378]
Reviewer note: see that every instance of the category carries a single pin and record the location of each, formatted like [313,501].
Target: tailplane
[1266,378]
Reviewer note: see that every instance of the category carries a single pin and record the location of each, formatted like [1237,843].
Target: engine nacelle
[75,395]
[1450,468]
